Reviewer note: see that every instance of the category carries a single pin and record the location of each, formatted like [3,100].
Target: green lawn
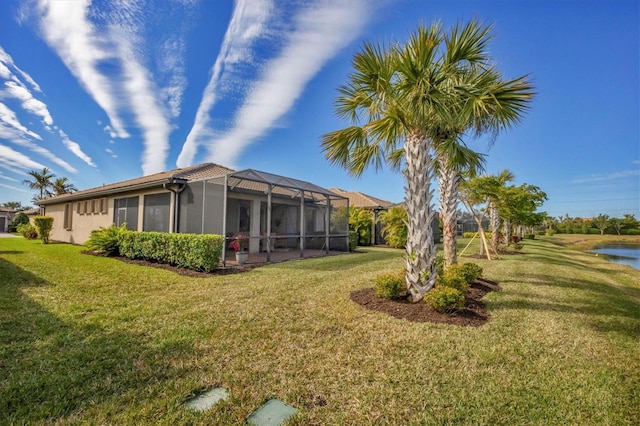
[89,340]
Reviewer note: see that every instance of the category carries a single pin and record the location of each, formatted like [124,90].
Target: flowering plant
[240,243]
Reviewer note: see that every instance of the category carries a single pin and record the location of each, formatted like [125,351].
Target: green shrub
[454,276]
[443,298]
[353,240]
[471,271]
[530,236]
[550,232]
[390,286]
[19,219]
[439,265]
[28,231]
[44,225]
[106,241]
[194,251]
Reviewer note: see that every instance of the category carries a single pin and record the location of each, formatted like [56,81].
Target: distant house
[272,211]
[371,203]
[6,216]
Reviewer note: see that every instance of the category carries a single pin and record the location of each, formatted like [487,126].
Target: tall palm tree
[403,95]
[41,182]
[487,104]
[63,185]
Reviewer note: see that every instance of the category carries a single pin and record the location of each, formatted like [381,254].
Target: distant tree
[361,221]
[601,222]
[616,223]
[394,228]
[63,185]
[629,222]
[41,182]
[517,205]
[15,205]
[19,219]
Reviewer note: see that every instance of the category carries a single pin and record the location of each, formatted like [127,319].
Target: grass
[89,340]
[586,242]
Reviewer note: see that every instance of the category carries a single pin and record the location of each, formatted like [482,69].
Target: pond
[626,254]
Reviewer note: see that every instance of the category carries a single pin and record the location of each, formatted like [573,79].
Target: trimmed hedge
[194,251]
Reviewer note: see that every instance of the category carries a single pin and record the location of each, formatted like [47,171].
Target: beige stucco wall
[83,224]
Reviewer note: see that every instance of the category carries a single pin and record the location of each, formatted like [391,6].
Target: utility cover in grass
[208,399]
[272,413]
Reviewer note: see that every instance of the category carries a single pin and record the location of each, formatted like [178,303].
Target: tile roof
[200,171]
[358,199]
[248,180]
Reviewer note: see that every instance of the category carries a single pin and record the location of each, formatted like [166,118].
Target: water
[626,254]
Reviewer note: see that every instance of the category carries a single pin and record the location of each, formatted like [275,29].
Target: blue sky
[105,91]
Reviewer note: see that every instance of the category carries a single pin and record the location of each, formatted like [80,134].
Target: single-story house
[377,205]
[6,216]
[272,211]
[371,203]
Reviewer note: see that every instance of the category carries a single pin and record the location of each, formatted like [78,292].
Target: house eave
[82,195]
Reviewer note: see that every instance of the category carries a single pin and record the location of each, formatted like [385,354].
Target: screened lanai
[273,217]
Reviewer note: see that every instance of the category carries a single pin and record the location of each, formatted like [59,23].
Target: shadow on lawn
[346,261]
[51,368]
[609,308]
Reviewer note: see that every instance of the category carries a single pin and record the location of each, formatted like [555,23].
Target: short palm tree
[41,182]
[403,95]
[63,185]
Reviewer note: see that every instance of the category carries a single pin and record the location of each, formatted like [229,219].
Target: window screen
[125,210]
[156,212]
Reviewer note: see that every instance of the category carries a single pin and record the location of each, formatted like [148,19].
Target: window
[156,212]
[80,207]
[244,215]
[125,210]
[68,216]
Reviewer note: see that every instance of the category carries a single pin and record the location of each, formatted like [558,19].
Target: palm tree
[404,95]
[62,185]
[15,205]
[41,182]
[490,104]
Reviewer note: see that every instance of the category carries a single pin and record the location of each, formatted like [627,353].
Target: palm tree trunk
[448,180]
[506,225]
[494,225]
[421,252]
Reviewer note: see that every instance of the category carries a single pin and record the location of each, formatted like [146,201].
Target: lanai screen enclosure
[273,212]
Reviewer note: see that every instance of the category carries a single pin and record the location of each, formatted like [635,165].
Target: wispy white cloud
[28,102]
[108,151]
[607,176]
[105,48]
[316,33]
[13,160]
[2,176]
[83,49]
[10,126]
[75,149]
[15,188]
[11,130]
[248,24]
[6,63]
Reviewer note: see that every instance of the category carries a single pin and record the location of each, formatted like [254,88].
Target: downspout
[176,201]
[224,220]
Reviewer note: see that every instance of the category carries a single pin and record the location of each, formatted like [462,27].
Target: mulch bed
[473,314]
